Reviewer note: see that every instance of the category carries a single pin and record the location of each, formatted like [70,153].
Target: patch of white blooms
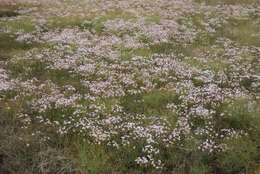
[94,105]
[5,82]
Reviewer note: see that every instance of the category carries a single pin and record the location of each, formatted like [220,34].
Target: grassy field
[130,87]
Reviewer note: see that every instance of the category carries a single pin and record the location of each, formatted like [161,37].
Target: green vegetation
[188,105]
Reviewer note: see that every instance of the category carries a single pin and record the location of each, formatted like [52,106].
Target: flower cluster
[136,75]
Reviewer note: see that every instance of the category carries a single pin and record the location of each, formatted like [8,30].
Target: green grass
[153,19]
[7,13]
[25,24]
[21,152]
[128,53]
[238,157]
[9,46]
[8,42]
[245,32]
[27,69]
[27,153]
[8,10]
[65,22]
[93,23]
[93,158]
[153,103]
[241,114]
